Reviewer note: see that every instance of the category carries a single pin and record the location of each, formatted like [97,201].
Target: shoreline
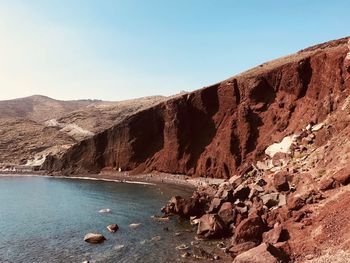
[124,177]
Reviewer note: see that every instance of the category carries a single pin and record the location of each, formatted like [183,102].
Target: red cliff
[219,130]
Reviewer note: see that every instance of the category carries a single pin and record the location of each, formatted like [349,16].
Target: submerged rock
[155,238]
[134,225]
[105,210]
[94,238]
[182,247]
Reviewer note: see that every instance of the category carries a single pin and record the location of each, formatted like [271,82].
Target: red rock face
[217,131]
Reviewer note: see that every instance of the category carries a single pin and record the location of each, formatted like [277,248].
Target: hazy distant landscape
[36,126]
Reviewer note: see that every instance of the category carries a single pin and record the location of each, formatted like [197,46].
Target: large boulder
[185,207]
[250,229]
[94,238]
[343,176]
[211,226]
[275,235]
[280,181]
[227,213]
[240,248]
[264,253]
[214,205]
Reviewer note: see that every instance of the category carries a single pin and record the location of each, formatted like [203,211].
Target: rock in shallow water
[210,226]
[94,238]
[113,228]
[134,225]
[105,210]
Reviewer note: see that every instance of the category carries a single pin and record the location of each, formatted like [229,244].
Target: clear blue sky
[115,50]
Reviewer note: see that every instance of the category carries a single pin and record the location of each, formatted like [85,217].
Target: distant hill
[40,108]
[35,126]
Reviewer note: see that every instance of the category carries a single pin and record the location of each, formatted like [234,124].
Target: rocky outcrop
[219,130]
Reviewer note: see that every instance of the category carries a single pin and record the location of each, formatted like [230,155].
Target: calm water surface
[45,220]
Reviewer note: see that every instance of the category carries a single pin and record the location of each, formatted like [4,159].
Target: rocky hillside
[223,129]
[40,108]
[32,128]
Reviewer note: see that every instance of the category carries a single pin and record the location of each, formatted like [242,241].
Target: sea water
[45,220]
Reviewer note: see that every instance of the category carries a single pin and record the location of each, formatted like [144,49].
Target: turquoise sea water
[45,220]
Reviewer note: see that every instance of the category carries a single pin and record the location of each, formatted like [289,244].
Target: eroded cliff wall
[219,130]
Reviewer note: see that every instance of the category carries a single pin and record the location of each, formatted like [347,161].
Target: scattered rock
[237,249]
[241,193]
[282,147]
[119,247]
[134,225]
[235,180]
[327,184]
[280,181]
[105,210]
[186,255]
[156,238]
[227,213]
[295,202]
[266,253]
[200,253]
[182,247]
[271,199]
[343,176]
[275,235]
[94,238]
[113,228]
[160,218]
[250,229]
[185,207]
[214,205]
[211,226]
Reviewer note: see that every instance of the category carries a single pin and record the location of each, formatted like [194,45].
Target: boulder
[280,181]
[214,205]
[275,235]
[241,192]
[282,200]
[295,202]
[105,210]
[265,253]
[134,225]
[211,226]
[113,228]
[270,200]
[227,213]
[343,176]
[94,238]
[237,249]
[184,207]
[280,159]
[235,180]
[250,229]
[327,184]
